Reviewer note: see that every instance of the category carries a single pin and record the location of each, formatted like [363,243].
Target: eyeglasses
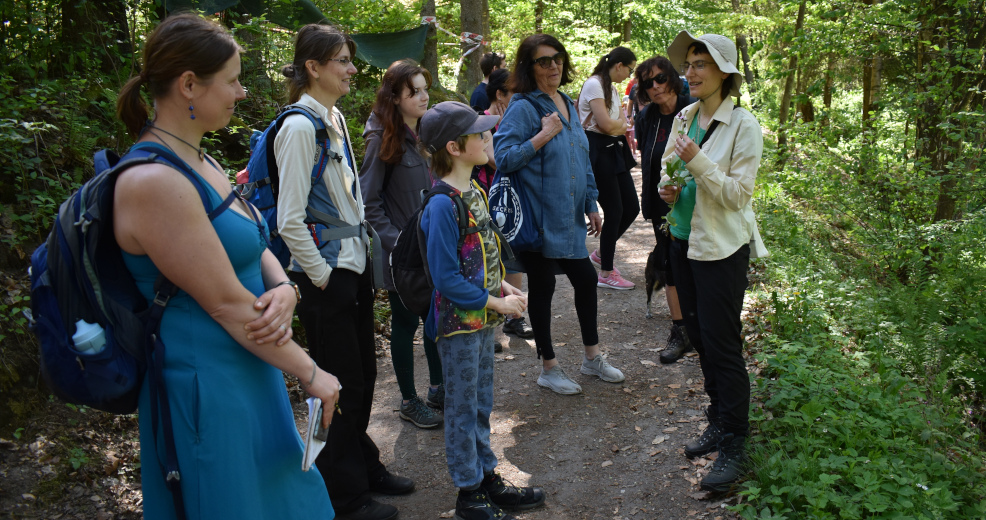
[699,65]
[545,61]
[660,79]
[344,61]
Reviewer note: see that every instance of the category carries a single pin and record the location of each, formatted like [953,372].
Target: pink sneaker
[598,262]
[614,281]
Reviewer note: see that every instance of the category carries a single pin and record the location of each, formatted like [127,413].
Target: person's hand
[551,125]
[510,290]
[668,193]
[325,387]
[508,305]
[595,224]
[497,109]
[685,148]
[274,324]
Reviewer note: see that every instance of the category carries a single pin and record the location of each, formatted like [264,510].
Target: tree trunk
[430,59]
[829,80]
[100,25]
[471,20]
[539,16]
[785,110]
[744,49]
[627,29]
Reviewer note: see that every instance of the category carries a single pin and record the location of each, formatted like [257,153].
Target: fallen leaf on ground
[607,463]
[659,439]
[648,362]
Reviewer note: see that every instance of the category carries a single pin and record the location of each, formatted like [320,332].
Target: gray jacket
[388,211]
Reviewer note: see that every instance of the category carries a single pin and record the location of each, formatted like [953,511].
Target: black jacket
[646,126]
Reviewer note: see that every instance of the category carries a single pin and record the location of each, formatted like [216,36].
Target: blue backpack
[79,274]
[262,172]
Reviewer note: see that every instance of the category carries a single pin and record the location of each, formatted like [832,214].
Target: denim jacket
[568,190]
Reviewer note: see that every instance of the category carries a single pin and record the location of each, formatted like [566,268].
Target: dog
[655,276]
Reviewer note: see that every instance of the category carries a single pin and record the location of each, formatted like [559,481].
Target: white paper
[313,446]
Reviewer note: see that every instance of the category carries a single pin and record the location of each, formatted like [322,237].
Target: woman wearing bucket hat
[714,235]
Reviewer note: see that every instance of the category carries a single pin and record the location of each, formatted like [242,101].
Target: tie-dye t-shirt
[479,262]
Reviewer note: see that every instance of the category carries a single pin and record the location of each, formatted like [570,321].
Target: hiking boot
[678,345]
[705,443]
[511,498]
[729,465]
[436,397]
[597,261]
[419,415]
[390,484]
[614,281]
[476,505]
[371,510]
[518,327]
[598,366]
[558,381]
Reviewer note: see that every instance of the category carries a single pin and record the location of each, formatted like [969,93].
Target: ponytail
[131,107]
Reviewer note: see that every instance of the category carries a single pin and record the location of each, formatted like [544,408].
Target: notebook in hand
[316,435]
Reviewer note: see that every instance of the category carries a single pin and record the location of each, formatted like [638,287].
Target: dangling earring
[191,114]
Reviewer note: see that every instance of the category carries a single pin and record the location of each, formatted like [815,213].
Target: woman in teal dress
[228,331]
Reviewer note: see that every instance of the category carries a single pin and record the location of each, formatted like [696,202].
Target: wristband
[297,292]
[312,380]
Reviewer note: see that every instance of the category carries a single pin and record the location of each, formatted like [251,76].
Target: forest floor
[613,452]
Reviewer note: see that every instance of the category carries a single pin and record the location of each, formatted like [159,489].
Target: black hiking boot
[678,345]
[707,442]
[511,498]
[476,505]
[729,465]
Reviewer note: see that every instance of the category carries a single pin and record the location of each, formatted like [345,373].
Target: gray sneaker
[558,381]
[420,415]
[600,367]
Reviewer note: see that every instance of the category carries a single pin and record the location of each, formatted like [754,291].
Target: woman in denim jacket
[562,199]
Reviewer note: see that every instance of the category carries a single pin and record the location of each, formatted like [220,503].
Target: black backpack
[409,259]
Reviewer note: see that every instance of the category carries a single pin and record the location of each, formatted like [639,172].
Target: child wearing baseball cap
[470,299]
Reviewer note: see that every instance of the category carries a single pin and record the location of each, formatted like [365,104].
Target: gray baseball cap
[721,48]
[448,120]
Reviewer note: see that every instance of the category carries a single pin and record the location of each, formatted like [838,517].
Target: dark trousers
[339,331]
[541,286]
[711,299]
[403,325]
[618,198]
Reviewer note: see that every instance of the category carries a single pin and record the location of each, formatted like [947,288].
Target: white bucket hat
[722,49]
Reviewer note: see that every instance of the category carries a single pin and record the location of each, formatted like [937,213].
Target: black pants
[541,285]
[711,299]
[618,198]
[339,331]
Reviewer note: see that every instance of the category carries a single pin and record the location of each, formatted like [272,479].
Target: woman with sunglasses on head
[714,235]
[392,178]
[232,423]
[550,157]
[660,89]
[333,275]
[601,116]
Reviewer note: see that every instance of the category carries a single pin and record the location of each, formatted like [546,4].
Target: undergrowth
[869,392]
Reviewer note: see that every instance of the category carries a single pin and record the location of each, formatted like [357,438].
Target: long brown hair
[314,42]
[617,55]
[182,42]
[399,76]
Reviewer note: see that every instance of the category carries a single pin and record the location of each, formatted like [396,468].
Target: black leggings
[618,198]
[541,283]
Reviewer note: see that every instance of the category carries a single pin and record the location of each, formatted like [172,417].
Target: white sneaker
[600,367]
[558,381]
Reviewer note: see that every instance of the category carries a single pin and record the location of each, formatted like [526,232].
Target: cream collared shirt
[296,153]
[725,172]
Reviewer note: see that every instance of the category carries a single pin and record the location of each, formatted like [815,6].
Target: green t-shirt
[685,206]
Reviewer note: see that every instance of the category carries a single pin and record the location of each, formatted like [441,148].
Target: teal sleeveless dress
[239,451]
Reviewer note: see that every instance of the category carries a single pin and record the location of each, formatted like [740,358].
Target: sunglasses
[660,79]
[545,61]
